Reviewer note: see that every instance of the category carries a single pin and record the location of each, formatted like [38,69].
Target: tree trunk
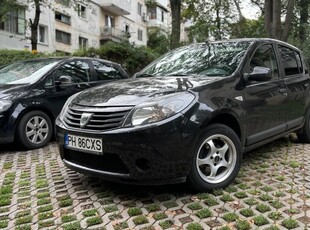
[218,34]
[268,16]
[276,20]
[303,20]
[34,26]
[288,20]
[176,23]
[237,4]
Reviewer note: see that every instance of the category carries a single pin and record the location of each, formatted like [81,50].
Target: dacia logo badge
[85,118]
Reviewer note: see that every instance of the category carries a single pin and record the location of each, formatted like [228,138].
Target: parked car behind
[33,92]
[190,115]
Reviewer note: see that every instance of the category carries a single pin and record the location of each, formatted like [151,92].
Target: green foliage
[243,225]
[158,41]
[140,220]
[159,216]
[9,56]
[230,217]
[290,223]
[194,226]
[134,211]
[132,58]
[248,28]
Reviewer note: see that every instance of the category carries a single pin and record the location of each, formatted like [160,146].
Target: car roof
[68,58]
[254,40]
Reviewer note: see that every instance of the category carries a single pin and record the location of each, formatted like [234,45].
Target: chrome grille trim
[103,119]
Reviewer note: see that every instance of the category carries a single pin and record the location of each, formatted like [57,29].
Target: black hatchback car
[33,92]
[190,115]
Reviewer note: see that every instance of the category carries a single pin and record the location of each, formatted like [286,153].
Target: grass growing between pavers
[94,221]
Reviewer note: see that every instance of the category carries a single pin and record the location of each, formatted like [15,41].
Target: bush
[9,56]
[132,58]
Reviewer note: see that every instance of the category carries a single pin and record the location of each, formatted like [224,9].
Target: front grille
[107,162]
[102,119]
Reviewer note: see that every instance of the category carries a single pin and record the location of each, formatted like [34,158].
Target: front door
[264,100]
[71,77]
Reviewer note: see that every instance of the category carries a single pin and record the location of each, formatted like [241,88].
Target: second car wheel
[34,130]
[217,159]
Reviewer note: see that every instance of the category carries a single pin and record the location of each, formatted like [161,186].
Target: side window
[290,61]
[106,72]
[265,56]
[75,71]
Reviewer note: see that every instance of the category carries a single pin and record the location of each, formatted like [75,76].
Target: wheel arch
[35,108]
[227,119]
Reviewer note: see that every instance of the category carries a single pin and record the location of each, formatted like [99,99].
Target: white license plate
[91,145]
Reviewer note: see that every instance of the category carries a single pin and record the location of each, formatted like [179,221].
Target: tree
[273,16]
[214,17]
[175,23]
[303,19]
[158,41]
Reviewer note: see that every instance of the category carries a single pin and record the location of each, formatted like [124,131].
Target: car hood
[8,91]
[132,92]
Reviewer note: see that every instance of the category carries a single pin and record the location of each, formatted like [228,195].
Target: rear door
[264,100]
[296,77]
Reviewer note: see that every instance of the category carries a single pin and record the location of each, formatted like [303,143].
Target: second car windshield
[26,72]
[214,59]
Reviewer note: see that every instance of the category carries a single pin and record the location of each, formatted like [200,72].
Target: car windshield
[26,72]
[209,59]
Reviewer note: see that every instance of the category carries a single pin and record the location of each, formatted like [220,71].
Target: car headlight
[5,105]
[158,109]
[66,105]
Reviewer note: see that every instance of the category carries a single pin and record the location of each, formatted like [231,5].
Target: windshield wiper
[144,75]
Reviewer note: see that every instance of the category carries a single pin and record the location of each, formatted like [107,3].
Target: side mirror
[63,80]
[259,74]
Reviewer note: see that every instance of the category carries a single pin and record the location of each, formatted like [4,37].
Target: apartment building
[65,28]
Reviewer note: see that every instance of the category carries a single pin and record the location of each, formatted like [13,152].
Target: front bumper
[154,155]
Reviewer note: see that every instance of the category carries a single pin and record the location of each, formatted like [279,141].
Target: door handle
[283,91]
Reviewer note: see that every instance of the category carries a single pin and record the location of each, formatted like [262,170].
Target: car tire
[304,135]
[217,159]
[34,130]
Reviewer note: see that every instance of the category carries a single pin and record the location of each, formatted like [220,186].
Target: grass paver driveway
[272,191]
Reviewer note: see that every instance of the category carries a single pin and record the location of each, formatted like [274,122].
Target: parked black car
[33,92]
[190,115]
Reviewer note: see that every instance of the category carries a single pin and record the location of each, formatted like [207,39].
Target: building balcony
[113,34]
[117,7]
[155,23]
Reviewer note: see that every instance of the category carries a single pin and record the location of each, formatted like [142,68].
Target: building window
[139,8]
[151,11]
[82,11]
[109,21]
[83,42]
[42,34]
[14,22]
[63,37]
[162,16]
[140,35]
[63,18]
[126,31]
